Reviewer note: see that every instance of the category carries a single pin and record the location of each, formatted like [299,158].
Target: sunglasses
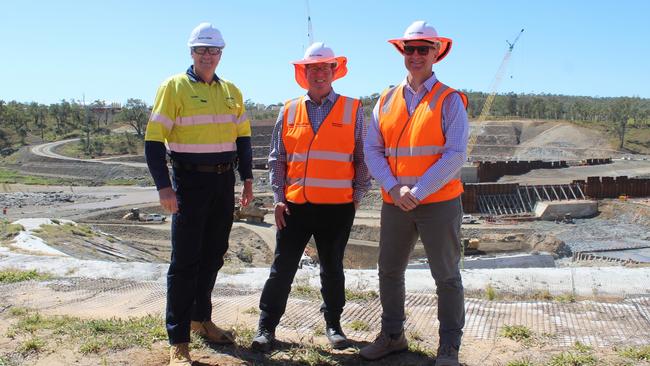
[209,50]
[422,50]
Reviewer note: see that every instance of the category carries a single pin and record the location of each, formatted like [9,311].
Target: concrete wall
[551,210]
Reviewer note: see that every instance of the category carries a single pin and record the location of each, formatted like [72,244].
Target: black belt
[216,168]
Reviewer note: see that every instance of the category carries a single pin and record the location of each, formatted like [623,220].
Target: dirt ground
[626,222]
[299,349]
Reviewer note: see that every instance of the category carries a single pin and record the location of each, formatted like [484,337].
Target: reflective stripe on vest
[414,143]
[321,155]
[318,182]
[319,165]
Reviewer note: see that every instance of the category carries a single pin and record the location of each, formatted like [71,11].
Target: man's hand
[280,209]
[403,198]
[168,201]
[356,205]
[247,193]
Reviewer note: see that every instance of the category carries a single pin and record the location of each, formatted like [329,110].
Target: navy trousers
[200,231]
[330,225]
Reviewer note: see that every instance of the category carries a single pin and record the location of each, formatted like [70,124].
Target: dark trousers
[330,225]
[200,231]
[438,225]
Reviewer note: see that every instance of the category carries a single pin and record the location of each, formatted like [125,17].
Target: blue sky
[51,50]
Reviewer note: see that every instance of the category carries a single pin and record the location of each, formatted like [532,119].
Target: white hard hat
[206,35]
[318,52]
[420,30]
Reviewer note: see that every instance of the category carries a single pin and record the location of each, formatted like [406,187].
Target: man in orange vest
[318,176]
[415,149]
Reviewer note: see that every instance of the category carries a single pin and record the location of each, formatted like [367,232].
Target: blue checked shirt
[317,114]
[455,128]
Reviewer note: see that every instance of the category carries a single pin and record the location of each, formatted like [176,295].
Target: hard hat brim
[299,67]
[445,46]
[205,44]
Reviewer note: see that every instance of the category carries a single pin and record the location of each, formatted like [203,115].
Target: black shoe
[335,335]
[263,341]
[447,355]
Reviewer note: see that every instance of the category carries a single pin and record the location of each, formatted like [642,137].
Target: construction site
[555,259]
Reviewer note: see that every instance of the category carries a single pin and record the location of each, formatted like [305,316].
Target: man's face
[206,59]
[319,76]
[414,60]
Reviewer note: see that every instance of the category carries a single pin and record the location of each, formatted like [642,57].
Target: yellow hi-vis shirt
[196,117]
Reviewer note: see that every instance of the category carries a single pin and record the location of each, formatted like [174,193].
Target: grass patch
[56,230]
[243,335]
[104,146]
[636,353]
[252,311]
[417,347]
[4,361]
[32,345]
[318,331]
[565,298]
[359,326]
[311,356]
[490,292]
[305,292]
[17,311]
[17,275]
[351,295]
[573,359]
[523,362]
[516,332]
[95,335]
[197,342]
[581,347]
[10,230]
[12,176]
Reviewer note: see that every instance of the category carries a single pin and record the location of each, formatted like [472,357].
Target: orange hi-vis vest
[319,165]
[413,144]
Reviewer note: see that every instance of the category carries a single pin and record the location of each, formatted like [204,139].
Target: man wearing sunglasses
[318,177]
[201,119]
[415,148]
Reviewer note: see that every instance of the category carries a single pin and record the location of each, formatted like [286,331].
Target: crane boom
[310,31]
[494,86]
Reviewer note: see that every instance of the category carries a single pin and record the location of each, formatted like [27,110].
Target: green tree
[136,113]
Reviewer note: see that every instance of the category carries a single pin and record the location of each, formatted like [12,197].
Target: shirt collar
[331,97]
[428,83]
[196,78]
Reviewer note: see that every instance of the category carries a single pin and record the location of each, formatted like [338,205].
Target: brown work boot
[211,333]
[384,345]
[179,355]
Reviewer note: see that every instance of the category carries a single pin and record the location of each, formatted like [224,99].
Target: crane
[485,111]
[310,31]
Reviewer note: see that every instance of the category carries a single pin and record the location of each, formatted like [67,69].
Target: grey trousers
[438,225]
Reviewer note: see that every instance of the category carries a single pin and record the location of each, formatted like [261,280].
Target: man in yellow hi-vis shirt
[202,119]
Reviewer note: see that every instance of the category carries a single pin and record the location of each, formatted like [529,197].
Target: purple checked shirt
[455,128]
[317,114]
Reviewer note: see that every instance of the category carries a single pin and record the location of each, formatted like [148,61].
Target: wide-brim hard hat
[317,53]
[420,30]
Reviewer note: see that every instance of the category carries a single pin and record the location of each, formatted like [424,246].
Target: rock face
[250,213]
[549,243]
